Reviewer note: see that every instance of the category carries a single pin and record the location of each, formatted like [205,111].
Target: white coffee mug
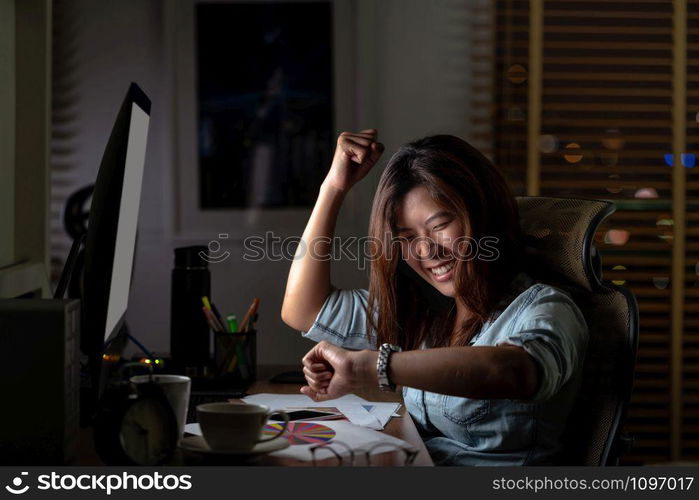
[236,426]
[176,389]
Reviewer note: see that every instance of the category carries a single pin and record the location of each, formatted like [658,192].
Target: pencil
[252,310]
[213,323]
[208,318]
[217,315]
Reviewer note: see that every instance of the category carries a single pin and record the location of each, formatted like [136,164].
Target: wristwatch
[385,352]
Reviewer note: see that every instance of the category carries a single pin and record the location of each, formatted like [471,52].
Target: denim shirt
[541,319]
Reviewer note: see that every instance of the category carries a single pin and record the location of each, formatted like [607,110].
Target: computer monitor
[111,234]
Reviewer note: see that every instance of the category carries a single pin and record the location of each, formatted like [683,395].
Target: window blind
[64,90]
[607,132]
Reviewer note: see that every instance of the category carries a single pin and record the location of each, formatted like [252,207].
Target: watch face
[148,432]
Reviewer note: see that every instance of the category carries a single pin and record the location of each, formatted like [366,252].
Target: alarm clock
[135,425]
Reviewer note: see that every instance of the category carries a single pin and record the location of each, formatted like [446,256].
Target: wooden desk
[401,427]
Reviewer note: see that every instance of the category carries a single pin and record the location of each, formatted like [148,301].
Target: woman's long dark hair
[464,182]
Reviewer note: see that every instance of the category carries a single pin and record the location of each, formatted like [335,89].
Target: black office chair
[558,235]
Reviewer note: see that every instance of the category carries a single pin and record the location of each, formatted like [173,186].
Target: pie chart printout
[302,432]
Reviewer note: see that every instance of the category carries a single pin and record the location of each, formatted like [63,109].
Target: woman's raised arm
[308,284]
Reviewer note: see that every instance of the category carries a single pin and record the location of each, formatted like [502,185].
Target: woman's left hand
[332,371]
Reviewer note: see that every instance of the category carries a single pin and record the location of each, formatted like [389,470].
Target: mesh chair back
[558,236]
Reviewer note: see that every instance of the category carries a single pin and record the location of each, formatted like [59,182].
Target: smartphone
[307,415]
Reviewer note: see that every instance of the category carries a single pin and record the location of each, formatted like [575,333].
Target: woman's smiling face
[431,239]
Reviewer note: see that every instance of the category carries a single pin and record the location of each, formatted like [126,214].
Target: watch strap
[382,365]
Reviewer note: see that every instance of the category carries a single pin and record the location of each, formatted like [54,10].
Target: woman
[490,366]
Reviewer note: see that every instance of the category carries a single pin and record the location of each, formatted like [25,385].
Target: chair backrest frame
[592,286]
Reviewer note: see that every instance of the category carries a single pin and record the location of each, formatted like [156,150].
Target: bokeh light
[689,160]
[573,154]
[517,74]
[548,143]
[648,193]
[616,237]
[614,189]
[613,139]
[618,281]
[661,282]
[665,227]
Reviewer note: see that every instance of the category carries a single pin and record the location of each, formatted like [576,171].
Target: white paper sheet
[193,429]
[356,437]
[359,411]
[358,415]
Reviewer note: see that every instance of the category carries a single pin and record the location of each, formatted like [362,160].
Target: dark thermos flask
[189,330]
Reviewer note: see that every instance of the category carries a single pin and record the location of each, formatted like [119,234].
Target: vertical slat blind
[63,129]
[510,86]
[607,132]
[607,101]
[481,18]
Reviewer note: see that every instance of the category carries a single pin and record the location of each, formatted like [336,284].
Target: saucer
[197,444]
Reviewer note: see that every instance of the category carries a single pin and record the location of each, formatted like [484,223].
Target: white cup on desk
[236,426]
[176,389]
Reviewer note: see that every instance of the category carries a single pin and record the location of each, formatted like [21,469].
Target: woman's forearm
[470,372]
[308,284]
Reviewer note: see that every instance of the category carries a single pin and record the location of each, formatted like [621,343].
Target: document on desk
[359,411]
[356,437]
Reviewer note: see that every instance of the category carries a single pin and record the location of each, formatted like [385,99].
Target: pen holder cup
[235,356]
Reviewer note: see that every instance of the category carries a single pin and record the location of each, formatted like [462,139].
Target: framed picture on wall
[265,102]
[261,91]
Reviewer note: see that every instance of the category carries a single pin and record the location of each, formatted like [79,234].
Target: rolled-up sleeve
[342,320]
[552,330]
